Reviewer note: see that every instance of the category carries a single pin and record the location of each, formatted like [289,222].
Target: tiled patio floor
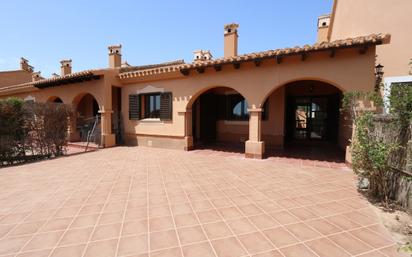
[130,201]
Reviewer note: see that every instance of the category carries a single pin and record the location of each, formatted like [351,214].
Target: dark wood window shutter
[134,107]
[166,104]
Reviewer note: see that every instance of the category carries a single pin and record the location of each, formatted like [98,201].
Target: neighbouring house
[262,100]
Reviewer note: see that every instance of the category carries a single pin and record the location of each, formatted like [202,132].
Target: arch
[54,99]
[86,108]
[285,83]
[76,100]
[198,93]
[219,118]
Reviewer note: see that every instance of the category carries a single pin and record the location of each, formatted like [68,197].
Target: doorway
[312,113]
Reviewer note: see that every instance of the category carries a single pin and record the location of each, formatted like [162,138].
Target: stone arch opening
[86,114]
[304,114]
[55,99]
[219,119]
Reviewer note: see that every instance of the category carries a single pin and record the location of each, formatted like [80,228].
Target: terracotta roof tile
[373,39]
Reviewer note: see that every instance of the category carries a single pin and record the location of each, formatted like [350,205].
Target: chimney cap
[66,62]
[202,55]
[23,60]
[231,28]
[115,49]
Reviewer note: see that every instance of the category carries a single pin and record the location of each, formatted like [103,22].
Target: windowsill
[151,120]
[236,122]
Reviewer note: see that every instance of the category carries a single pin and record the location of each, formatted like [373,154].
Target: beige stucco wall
[358,18]
[348,70]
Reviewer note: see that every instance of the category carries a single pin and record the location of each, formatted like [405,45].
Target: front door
[310,118]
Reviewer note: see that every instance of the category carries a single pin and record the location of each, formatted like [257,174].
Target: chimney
[231,40]
[66,67]
[35,76]
[24,65]
[323,28]
[115,56]
[202,55]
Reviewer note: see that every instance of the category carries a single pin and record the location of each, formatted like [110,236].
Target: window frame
[145,107]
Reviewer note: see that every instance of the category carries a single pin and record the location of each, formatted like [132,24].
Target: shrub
[32,130]
[379,142]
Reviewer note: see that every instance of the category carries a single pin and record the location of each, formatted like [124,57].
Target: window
[237,108]
[151,106]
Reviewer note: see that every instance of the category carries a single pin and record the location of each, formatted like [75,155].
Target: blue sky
[46,31]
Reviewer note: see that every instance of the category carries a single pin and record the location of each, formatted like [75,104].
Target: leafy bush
[32,130]
[375,154]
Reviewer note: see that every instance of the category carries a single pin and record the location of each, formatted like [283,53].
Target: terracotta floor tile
[105,248]
[4,229]
[209,216]
[273,253]
[323,226]
[284,217]
[250,210]
[202,205]
[350,243]
[230,213]
[159,211]
[376,254]
[84,221]
[263,221]
[43,241]
[56,224]
[222,202]
[280,237]
[326,248]
[91,209]
[136,214]
[302,231]
[12,245]
[217,230]
[186,220]
[196,250]
[69,251]
[39,253]
[135,227]
[108,231]
[112,217]
[393,251]
[370,238]
[161,223]
[343,222]
[182,208]
[26,228]
[189,235]
[76,236]
[230,195]
[303,214]
[163,239]
[172,252]
[241,226]
[133,245]
[298,250]
[228,247]
[67,212]
[255,243]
